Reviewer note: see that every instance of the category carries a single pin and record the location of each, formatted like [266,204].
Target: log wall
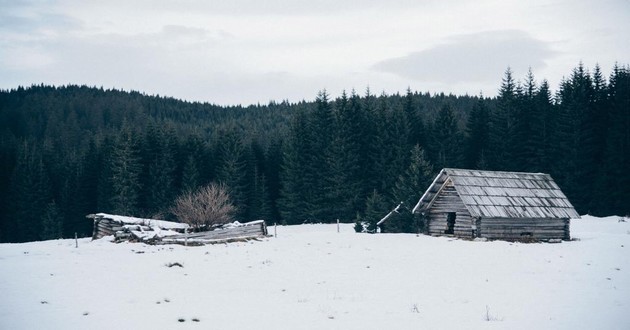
[448,201]
[514,229]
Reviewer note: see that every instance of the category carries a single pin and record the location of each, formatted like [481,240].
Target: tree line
[69,151]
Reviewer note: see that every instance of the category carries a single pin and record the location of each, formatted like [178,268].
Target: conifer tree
[344,181]
[575,138]
[322,127]
[260,205]
[522,142]
[87,191]
[375,209]
[478,138]
[397,142]
[412,183]
[416,123]
[447,139]
[51,222]
[158,176]
[274,167]
[31,193]
[617,157]
[373,149]
[502,132]
[125,169]
[295,203]
[544,127]
[190,175]
[232,170]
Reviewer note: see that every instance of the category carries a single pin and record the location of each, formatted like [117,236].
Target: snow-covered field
[311,277]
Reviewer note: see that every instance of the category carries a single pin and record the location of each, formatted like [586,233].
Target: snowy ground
[311,277]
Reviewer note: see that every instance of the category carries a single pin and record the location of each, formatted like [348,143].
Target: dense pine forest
[69,151]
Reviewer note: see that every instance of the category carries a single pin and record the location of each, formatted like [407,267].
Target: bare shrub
[209,205]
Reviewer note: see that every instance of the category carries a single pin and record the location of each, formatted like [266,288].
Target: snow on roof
[495,194]
[163,224]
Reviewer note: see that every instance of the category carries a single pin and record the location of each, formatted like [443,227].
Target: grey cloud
[471,58]
[34,22]
[200,34]
[282,7]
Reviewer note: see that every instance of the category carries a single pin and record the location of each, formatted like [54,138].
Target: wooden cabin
[496,205]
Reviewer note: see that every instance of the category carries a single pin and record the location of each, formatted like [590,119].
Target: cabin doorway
[450,223]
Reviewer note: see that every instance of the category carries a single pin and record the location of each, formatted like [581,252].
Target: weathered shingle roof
[492,194]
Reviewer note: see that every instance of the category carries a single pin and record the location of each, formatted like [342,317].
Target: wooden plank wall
[104,227]
[449,201]
[258,229]
[524,228]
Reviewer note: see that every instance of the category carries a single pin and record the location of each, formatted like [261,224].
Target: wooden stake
[275,229]
[337,225]
[76,240]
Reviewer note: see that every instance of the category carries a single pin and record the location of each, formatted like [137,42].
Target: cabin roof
[495,194]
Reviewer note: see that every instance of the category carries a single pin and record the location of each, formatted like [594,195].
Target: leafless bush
[205,207]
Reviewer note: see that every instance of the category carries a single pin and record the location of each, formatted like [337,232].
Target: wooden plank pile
[153,231]
[230,232]
[127,228]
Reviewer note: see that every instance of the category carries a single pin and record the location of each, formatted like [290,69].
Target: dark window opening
[450,223]
[526,234]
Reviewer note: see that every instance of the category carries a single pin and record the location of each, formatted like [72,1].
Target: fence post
[275,229]
[337,225]
[76,240]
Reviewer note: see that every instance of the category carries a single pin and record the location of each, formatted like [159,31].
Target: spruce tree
[30,193]
[478,136]
[544,127]
[412,183]
[125,168]
[190,175]
[373,149]
[295,202]
[158,175]
[616,187]
[413,116]
[375,209]
[87,191]
[51,222]
[344,180]
[502,132]
[575,138]
[260,204]
[446,139]
[274,167]
[232,169]
[322,128]
[523,141]
[408,189]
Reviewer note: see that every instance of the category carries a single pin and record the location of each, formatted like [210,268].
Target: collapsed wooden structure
[227,233]
[496,205]
[152,231]
[122,227]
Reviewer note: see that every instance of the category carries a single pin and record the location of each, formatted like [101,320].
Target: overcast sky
[249,51]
